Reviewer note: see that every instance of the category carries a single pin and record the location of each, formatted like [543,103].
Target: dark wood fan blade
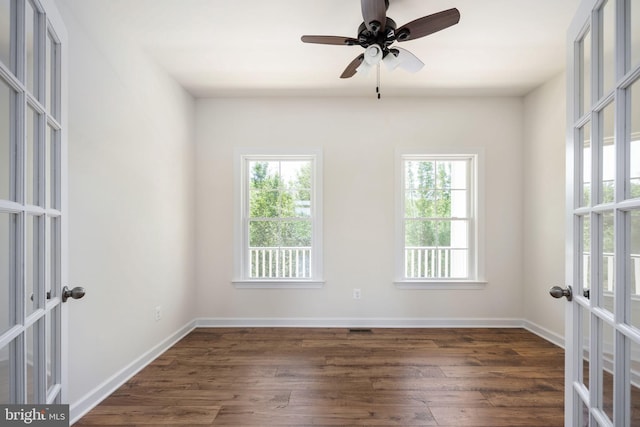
[336,40]
[428,25]
[374,13]
[352,67]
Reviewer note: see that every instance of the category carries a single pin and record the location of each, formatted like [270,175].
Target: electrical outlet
[357,294]
[158,313]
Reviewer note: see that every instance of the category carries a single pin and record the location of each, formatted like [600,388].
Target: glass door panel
[585,138]
[633,267]
[30,204]
[607,261]
[633,138]
[7,148]
[7,271]
[585,74]
[603,209]
[607,149]
[634,27]
[5,33]
[606,370]
[607,55]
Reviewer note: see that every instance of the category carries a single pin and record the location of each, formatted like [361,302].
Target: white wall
[544,203]
[131,203]
[358,137]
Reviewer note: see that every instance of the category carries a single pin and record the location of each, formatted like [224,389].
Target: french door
[32,202]
[603,215]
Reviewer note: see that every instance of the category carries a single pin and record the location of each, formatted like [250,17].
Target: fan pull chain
[378,81]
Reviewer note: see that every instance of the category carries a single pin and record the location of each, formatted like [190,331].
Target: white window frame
[242,156]
[476,278]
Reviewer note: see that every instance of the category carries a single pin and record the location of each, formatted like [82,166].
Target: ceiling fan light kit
[378,33]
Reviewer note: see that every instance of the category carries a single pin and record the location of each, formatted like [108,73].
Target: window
[278,220]
[438,227]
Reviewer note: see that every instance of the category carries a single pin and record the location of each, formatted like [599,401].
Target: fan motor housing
[384,38]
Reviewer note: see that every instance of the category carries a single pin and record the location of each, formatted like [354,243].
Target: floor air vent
[360,331]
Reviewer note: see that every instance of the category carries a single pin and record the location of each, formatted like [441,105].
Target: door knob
[75,293]
[558,292]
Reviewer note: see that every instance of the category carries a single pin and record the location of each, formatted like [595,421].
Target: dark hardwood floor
[338,377]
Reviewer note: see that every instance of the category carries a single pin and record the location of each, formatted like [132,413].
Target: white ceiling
[253,47]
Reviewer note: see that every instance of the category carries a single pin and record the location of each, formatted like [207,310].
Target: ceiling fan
[378,33]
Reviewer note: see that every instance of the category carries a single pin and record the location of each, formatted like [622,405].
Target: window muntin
[280,213]
[438,218]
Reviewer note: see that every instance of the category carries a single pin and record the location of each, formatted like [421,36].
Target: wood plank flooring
[334,377]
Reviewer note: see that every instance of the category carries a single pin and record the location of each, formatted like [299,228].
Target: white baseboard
[548,335]
[97,395]
[347,322]
[78,409]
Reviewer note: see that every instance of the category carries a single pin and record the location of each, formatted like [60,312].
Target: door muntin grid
[606,204]
[30,200]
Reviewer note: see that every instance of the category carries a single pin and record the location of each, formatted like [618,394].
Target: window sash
[430,261]
[291,254]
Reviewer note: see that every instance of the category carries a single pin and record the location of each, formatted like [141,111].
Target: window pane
[419,174]
[634,139]
[53,77]
[585,74]
[459,199]
[443,174]
[7,150]
[264,204]
[420,204]
[608,260]
[586,253]
[634,266]
[5,33]
[634,372]
[33,263]
[264,234]
[30,26]
[296,174]
[608,48]
[32,158]
[607,364]
[51,347]
[586,346]
[296,233]
[265,175]
[635,33]
[608,154]
[295,203]
[7,241]
[5,373]
[52,254]
[585,137]
[421,234]
[51,169]
[458,234]
[458,264]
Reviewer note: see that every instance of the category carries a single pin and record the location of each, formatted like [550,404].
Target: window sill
[440,284]
[278,284]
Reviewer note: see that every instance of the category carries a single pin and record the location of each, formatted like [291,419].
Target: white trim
[544,333]
[81,407]
[352,322]
[278,284]
[440,284]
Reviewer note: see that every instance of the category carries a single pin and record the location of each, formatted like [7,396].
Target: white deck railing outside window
[280,262]
[608,272]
